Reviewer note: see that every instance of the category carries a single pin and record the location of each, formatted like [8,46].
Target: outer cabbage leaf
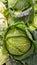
[19,4]
[3,57]
[2,7]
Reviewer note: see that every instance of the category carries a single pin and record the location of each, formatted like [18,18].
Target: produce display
[18,32]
